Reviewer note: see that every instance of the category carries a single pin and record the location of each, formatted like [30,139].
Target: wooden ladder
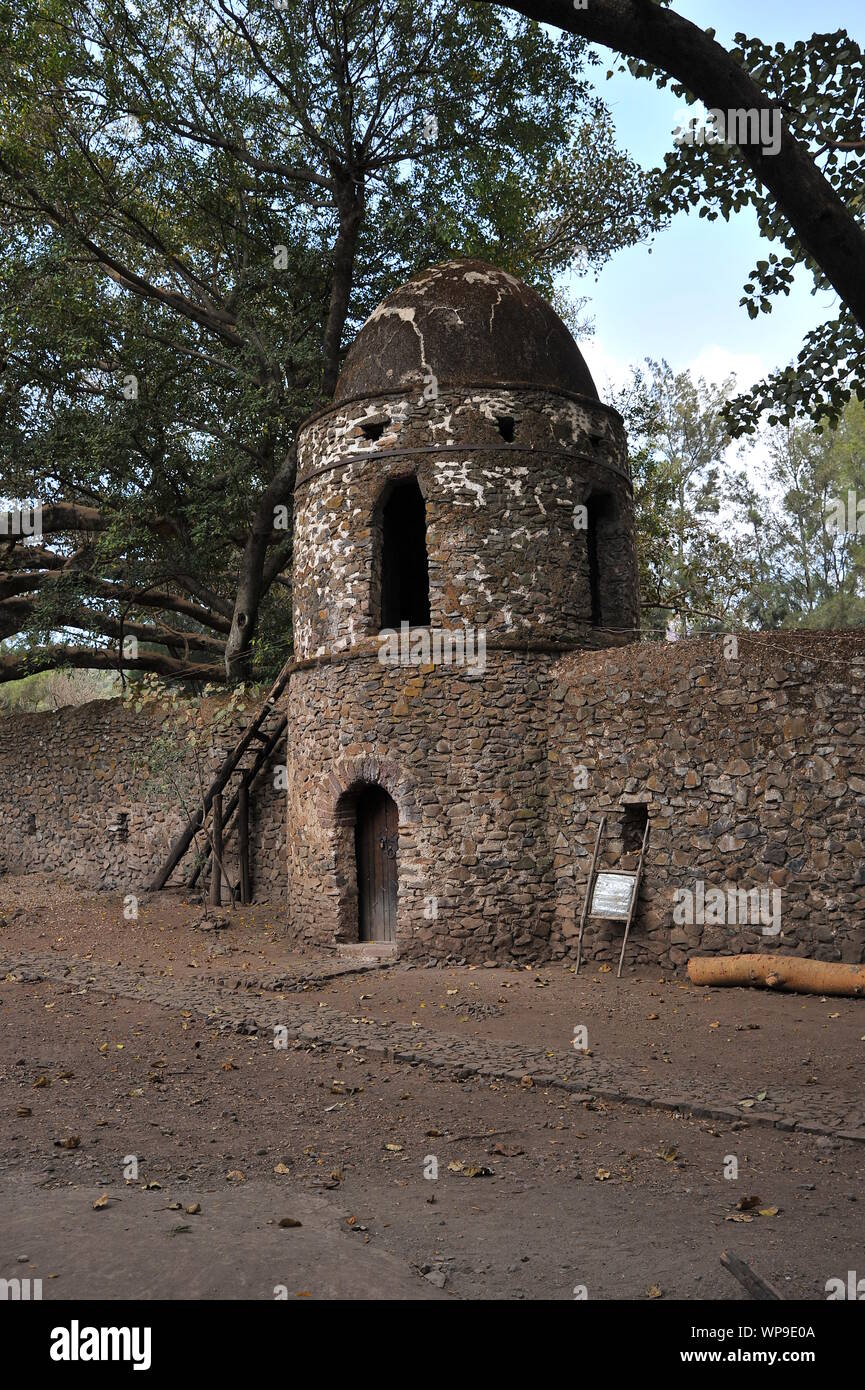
[264,739]
[635,874]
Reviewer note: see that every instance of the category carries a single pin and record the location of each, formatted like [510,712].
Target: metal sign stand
[636,877]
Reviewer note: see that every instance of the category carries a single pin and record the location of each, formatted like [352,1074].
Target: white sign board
[612,895]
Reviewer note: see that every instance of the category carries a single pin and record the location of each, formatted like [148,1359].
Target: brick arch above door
[348,773]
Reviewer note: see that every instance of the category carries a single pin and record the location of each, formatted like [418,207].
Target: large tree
[199,204]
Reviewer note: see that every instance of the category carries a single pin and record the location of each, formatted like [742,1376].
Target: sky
[679,300]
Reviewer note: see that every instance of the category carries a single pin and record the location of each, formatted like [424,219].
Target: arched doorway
[376,833]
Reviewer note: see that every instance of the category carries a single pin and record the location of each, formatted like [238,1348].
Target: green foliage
[690,573]
[51,690]
[778,541]
[818,85]
[803,526]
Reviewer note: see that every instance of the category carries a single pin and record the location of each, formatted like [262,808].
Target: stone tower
[468,490]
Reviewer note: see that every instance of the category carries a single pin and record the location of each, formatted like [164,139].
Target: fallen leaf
[288,1223]
[748,1203]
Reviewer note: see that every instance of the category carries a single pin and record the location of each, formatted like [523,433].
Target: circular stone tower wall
[466,425]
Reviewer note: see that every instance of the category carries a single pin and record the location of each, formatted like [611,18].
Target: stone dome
[465,323]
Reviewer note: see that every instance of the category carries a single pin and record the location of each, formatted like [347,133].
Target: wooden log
[216,851]
[796,973]
[756,1285]
[243,839]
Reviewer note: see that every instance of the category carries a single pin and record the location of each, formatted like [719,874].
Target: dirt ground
[538,1192]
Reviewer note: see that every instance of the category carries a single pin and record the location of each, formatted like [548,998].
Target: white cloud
[609,373]
[713,362]
[716,363]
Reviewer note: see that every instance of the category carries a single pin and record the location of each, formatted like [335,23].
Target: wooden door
[376,839]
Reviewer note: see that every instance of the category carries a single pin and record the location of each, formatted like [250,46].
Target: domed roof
[465,323]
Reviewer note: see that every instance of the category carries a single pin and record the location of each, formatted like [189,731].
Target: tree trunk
[251,584]
[778,972]
[350,199]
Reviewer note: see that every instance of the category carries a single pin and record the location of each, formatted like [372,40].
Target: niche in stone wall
[400,565]
[118,828]
[635,817]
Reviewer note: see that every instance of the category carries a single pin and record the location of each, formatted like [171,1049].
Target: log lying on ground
[756,1285]
[778,972]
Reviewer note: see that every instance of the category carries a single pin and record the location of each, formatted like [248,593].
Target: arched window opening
[404,563]
[507,427]
[600,521]
[372,429]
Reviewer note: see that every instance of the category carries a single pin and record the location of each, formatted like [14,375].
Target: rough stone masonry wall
[754,774]
[65,777]
[464,758]
[504,551]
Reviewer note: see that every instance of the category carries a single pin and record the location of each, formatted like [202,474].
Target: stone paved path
[236,1007]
